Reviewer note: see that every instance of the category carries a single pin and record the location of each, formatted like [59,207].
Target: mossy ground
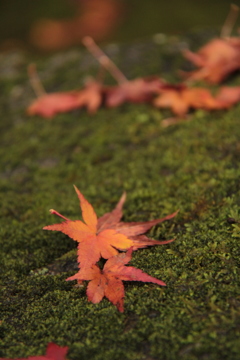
[192,166]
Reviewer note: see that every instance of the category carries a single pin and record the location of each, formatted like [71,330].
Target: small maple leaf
[216,60]
[219,57]
[48,105]
[97,18]
[108,282]
[51,104]
[133,91]
[180,99]
[53,352]
[103,236]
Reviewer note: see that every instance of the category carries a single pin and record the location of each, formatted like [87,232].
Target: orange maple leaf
[103,236]
[180,99]
[96,18]
[53,352]
[216,60]
[108,282]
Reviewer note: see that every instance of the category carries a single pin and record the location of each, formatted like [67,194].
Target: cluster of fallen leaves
[215,62]
[109,239]
[103,238]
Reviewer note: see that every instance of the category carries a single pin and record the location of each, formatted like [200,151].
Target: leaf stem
[54,212]
[35,80]
[104,60]
[230,21]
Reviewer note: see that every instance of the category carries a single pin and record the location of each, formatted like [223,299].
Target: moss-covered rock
[192,166]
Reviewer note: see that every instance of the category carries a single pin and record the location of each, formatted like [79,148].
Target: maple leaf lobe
[88,213]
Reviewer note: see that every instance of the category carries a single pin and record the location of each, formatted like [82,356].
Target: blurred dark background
[22,22]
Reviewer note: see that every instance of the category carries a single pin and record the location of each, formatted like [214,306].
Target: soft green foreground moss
[193,166]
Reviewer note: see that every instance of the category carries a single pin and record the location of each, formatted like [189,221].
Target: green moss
[193,166]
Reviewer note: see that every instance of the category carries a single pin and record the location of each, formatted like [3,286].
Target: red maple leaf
[53,352]
[134,91]
[51,104]
[108,282]
[102,237]
[216,60]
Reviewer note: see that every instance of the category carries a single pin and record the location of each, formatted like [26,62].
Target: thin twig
[104,60]
[230,21]
[35,80]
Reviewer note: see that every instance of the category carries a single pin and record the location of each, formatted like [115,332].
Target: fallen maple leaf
[108,282]
[51,104]
[101,237]
[220,57]
[216,60]
[134,91]
[53,352]
[96,18]
[180,99]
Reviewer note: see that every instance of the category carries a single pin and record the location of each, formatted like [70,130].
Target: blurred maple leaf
[51,104]
[53,352]
[108,282]
[218,58]
[135,91]
[48,105]
[96,18]
[103,236]
[181,98]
